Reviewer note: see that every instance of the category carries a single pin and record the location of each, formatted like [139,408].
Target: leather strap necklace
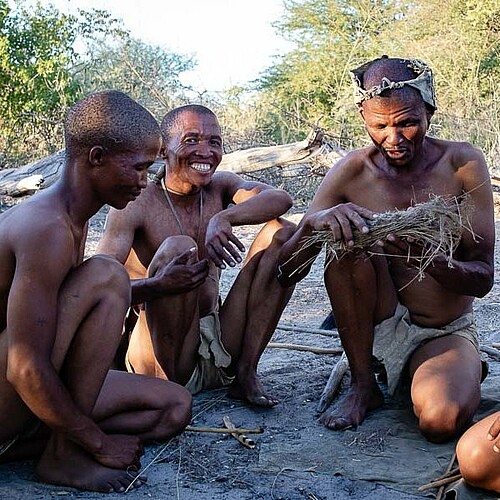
[176,216]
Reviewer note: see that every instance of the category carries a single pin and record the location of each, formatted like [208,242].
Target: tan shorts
[212,358]
[396,338]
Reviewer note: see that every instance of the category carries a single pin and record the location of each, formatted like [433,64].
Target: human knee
[177,412]
[170,248]
[284,232]
[475,460]
[109,275]
[441,421]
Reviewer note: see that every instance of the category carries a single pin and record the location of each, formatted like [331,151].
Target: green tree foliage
[49,60]
[330,37]
[147,73]
[460,39]
[37,63]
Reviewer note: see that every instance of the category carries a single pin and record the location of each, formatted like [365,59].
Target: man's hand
[222,245]
[120,451]
[340,220]
[494,434]
[179,275]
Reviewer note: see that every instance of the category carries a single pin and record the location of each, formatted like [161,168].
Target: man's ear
[96,156]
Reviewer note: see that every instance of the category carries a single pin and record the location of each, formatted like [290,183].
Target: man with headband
[417,328]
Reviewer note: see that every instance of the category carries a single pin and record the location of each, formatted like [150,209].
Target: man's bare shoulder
[35,224]
[351,165]
[459,152]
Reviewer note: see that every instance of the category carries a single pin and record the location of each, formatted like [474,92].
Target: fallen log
[44,172]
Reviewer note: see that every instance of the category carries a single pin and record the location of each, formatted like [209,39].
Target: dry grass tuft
[434,227]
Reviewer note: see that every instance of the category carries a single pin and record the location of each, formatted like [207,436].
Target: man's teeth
[201,167]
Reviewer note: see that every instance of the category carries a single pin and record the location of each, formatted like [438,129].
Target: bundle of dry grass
[434,227]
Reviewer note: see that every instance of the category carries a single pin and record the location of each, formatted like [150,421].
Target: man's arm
[31,331]
[472,268]
[328,210]
[178,275]
[248,202]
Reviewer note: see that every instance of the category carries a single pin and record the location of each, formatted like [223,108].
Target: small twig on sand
[318,331]
[440,482]
[220,430]
[450,471]
[305,348]
[247,442]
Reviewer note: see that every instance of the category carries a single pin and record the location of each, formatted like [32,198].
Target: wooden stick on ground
[333,383]
[440,482]
[318,331]
[450,471]
[305,348]
[220,430]
[247,442]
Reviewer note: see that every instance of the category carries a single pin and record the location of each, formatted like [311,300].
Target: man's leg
[166,338]
[446,391]
[479,463]
[252,310]
[92,307]
[362,294]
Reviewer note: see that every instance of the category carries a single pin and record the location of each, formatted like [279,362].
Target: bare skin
[175,257]
[403,167]
[61,320]
[478,454]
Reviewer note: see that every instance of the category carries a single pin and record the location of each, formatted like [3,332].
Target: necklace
[176,216]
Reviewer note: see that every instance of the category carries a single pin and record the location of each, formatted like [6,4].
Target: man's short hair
[110,119]
[171,119]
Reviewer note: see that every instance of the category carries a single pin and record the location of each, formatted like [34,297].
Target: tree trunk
[43,173]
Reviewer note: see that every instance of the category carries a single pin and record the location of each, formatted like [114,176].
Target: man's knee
[171,247]
[106,274]
[440,421]
[177,412]
[474,460]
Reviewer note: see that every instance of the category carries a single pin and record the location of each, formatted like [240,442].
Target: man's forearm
[48,399]
[144,290]
[473,278]
[263,207]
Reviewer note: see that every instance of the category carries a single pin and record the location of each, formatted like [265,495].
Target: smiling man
[175,240]
[420,327]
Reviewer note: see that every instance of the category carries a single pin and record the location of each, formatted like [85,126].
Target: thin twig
[305,348]
[220,430]
[440,482]
[319,331]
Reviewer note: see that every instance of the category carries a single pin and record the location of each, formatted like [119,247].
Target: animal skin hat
[423,82]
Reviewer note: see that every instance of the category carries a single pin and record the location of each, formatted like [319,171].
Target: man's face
[397,127]
[194,150]
[124,175]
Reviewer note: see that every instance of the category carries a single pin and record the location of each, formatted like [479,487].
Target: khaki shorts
[209,371]
[396,338]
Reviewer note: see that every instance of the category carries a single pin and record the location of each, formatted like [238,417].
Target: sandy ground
[295,457]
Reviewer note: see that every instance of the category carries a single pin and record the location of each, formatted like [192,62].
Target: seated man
[478,454]
[381,295]
[174,241]
[61,317]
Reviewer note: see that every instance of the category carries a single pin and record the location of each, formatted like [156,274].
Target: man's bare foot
[77,469]
[249,388]
[351,411]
